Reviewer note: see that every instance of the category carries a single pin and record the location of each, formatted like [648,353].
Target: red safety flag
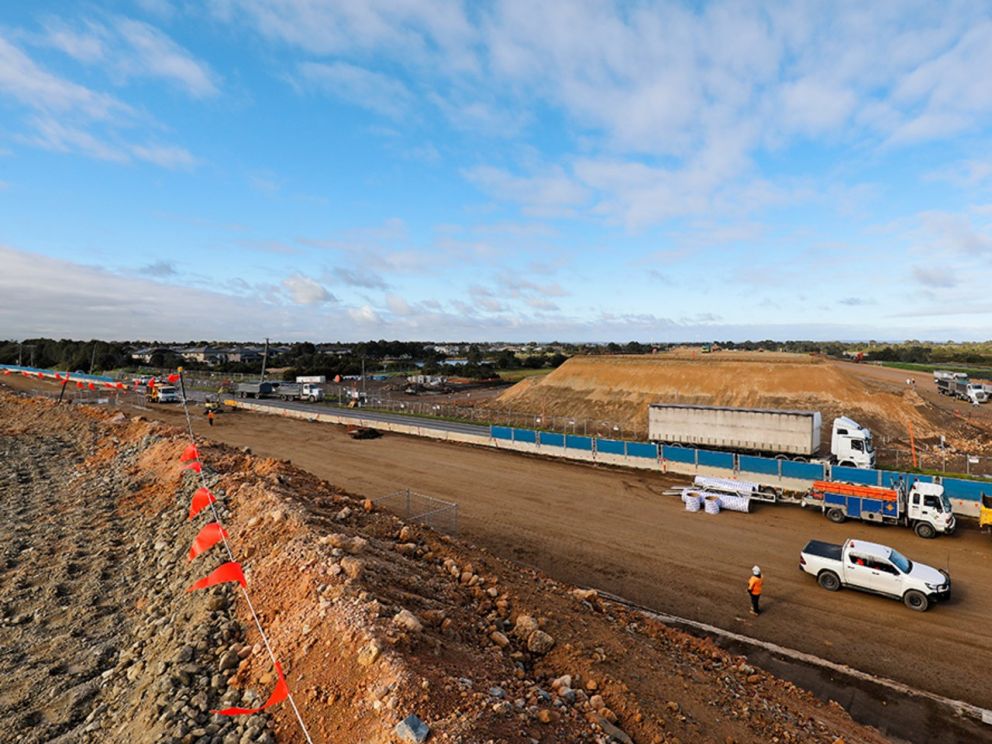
[190,453]
[195,466]
[120,385]
[25,373]
[109,385]
[279,693]
[92,386]
[6,372]
[41,376]
[230,571]
[202,498]
[211,534]
[173,379]
[151,382]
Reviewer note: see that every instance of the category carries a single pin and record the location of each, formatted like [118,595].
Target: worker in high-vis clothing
[754,590]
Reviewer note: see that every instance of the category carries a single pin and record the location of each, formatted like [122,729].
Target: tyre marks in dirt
[60,596]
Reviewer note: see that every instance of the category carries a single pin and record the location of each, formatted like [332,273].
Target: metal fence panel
[552,439]
[525,435]
[716,459]
[854,475]
[576,442]
[641,449]
[501,432]
[610,446]
[811,471]
[678,454]
[765,465]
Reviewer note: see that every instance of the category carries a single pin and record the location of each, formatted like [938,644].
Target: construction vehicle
[363,432]
[793,434]
[299,391]
[985,514]
[924,507]
[163,394]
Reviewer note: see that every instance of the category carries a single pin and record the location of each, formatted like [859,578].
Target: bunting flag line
[211,534]
[202,498]
[92,386]
[79,385]
[195,466]
[226,572]
[41,376]
[173,379]
[279,693]
[190,453]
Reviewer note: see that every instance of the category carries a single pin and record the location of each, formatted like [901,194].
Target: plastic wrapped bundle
[735,503]
[692,500]
[711,504]
[726,484]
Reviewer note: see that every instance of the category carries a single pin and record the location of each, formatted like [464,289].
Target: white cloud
[364,315]
[361,87]
[936,276]
[151,53]
[306,291]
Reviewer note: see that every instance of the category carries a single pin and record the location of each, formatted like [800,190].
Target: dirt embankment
[373,620]
[620,389]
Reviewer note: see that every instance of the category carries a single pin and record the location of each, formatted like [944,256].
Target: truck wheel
[836,515]
[915,600]
[830,581]
[925,530]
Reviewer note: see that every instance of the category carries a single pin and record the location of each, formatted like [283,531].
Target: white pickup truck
[875,568]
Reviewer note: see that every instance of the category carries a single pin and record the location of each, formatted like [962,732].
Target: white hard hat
[756,571]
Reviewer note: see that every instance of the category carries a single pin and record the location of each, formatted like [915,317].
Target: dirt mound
[372,619]
[606,390]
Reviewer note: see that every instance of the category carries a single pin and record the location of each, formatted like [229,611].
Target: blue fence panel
[956,488]
[765,465]
[678,454]
[501,432]
[641,449]
[576,442]
[610,447]
[854,475]
[716,459]
[812,471]
[551,439]
[524,435]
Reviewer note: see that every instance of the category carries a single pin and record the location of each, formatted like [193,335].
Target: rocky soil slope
[373,620]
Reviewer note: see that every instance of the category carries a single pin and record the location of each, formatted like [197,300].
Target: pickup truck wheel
[830,581]
[925,530]
[915,600]
[836,515]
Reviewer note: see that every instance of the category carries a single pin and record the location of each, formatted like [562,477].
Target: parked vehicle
[363,432]
[985,513]
[924,507]
[254,389]
[299,391]
[768,431]
[875,568]
[957,385]
[164,394]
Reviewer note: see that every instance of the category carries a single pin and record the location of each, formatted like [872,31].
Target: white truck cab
[851,444]
[879,569]
[929,505]
[165,394]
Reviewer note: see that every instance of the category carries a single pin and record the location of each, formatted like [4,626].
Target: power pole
[93,358]
[265,358]
[363,376]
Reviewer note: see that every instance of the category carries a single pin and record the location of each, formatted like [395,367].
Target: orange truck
[924,507]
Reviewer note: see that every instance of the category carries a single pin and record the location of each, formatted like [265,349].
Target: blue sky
[303,169]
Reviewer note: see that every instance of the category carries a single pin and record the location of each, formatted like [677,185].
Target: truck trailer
[794,434]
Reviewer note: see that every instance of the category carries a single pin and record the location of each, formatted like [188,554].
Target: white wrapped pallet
[735,503]
[711,504]
[692,500]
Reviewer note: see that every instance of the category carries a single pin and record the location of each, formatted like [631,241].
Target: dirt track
[614,530]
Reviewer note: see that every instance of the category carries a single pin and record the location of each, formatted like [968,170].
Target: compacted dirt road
[615,530]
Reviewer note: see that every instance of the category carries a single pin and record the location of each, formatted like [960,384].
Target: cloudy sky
[311,169]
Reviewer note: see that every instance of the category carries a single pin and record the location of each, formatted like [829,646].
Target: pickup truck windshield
[902,562]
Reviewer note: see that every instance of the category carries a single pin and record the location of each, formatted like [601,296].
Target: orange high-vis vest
[754,585]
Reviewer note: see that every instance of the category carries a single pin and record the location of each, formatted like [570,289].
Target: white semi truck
[794,434]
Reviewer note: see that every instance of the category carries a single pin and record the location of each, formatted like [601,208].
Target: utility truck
[781,433]
[875,568]
[299,391]
[924,506]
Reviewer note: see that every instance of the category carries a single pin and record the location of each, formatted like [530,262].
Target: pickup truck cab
[871,567]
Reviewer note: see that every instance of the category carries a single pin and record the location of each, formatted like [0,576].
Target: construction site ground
[615,530]
[372,620]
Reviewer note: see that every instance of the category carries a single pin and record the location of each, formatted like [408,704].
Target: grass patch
[978,372]
[516,375]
